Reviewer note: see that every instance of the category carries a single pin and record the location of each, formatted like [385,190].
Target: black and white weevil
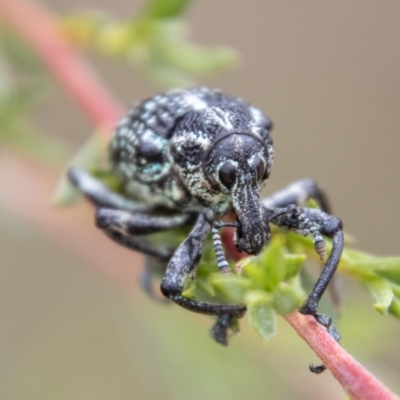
[201,154]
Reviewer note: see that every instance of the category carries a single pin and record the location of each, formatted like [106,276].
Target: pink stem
[354,378]
[42,31]
[359,383]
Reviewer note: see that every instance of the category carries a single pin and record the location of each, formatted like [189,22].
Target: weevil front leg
[183,265]
[298,193]
[317,223]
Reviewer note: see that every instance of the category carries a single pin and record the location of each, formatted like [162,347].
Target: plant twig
[38,26]
[359,383]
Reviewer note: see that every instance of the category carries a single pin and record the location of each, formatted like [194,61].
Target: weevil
[200,154]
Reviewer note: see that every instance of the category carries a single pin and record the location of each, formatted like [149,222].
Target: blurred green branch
[154,42]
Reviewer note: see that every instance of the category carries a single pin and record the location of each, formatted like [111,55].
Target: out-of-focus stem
[37,26]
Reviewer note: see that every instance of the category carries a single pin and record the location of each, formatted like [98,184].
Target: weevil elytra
[201,154]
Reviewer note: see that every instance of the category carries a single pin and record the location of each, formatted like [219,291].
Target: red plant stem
[42,31]
[359,383]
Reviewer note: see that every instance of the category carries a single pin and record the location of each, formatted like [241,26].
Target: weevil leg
[100,195]
[126,228]
[183,265]
[317,223]
[298,193]
[222,263]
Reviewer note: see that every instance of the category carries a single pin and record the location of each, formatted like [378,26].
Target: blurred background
[74,323]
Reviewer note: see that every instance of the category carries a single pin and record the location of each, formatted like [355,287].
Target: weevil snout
[252,232]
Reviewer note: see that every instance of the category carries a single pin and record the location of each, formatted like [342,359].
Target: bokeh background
[74,323]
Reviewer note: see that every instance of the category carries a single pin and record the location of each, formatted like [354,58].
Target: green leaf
[261,314]
[231,287]
[311,203]
[114,38]
[272,263]
[235,325]
[166,76]
[392,275]
[199,60]
[381,292]
[189,290]
[206,286]
[358,261]
[394,308]
[294,263]
[287,298]
[256,274]
[396,290]
[164,8]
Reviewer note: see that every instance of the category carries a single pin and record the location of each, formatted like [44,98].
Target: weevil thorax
[224,154]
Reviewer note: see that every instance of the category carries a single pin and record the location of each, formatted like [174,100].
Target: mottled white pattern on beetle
[192,174]
[193,102]
[141,177]
[156,195]
[178,141]
[257,115]
[215,114]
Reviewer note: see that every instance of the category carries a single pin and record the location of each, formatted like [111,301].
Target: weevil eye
[227,174]
[260,169]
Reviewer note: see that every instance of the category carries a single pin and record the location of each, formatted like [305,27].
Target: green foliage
[380,275]
[164,8]
[271,283]
[154,42]
[267,283]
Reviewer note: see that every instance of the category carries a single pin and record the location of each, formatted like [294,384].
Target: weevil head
[223,156]
[238,164]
